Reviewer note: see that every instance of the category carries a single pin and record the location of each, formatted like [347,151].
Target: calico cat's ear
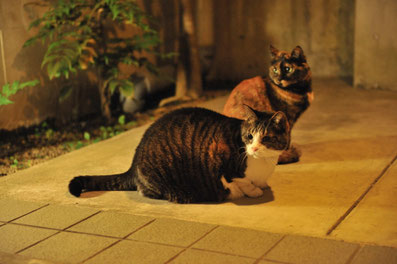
[249,113]
[273,51]
[297,53]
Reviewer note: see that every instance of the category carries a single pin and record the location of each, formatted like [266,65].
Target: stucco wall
[375,48]
[244,30]
[341,38]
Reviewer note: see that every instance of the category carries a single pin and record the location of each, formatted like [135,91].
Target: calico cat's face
[265,133]
[288,68]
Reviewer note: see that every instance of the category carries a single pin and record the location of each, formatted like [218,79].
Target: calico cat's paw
[290,155]
[76,186]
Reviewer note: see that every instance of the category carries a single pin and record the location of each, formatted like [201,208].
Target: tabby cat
[194,155]
[287,89]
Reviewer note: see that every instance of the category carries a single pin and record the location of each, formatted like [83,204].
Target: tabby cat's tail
[116,182]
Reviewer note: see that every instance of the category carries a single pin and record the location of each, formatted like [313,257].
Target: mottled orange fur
[287,88]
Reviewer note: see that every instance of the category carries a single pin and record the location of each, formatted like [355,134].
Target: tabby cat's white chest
[259,170]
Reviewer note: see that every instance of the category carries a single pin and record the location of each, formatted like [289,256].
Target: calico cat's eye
[288,69]
[275,70]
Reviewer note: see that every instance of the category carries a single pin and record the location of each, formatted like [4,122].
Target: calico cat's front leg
[290,155]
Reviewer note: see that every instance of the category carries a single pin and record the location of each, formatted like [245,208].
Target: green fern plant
[10,89]
[79,35]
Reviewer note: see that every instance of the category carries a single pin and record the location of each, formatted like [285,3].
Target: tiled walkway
[74,234]
[338,204]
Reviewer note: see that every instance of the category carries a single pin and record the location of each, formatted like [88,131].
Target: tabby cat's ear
[249,113]
[273,51]
[297,53]
[280,120]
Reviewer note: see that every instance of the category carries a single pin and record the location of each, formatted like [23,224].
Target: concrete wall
[33,105]
[341,38]
[244,30]
[375,47]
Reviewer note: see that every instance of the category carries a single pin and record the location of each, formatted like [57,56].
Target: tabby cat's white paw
[235,191]
[248,188]
[254,193]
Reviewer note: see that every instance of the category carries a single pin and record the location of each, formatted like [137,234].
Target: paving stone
[307,250]
[204,257]
[238,241]
[374,254]
[11,209]
[111,224]
[338,164]
[270,262]
[56,216]
[172,232]
[374,220]
[16,237]
[68,247]
[6,258]
[135,252]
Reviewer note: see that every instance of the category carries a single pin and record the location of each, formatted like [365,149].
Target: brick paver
[67,234]
[57,216]
[111,224]
[172,232]
[238,241]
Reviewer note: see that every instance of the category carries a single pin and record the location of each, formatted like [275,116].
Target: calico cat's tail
[115,182]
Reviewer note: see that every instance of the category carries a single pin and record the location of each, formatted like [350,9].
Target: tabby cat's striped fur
[195,155]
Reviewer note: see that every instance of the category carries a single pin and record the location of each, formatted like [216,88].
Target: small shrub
[10,89]
[79,35]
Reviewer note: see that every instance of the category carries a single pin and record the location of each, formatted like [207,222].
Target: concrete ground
[337,205]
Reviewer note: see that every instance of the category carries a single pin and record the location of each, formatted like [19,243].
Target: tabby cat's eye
[266,139]
[250,136]
[275,70]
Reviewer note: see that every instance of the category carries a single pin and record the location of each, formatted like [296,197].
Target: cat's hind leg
[150,194]
[171,194]
[182,197]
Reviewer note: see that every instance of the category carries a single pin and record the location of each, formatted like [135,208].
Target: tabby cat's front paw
[254,193]
[248,188]
[235,191]
[290,155]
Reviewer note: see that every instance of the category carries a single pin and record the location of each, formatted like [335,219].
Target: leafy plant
[74,145]
[15,162]
[81,35]
[49,133]
[87,136]
[122,120]
[10,89]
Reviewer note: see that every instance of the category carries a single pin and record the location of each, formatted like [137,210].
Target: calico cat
[287,89]
[194,155]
